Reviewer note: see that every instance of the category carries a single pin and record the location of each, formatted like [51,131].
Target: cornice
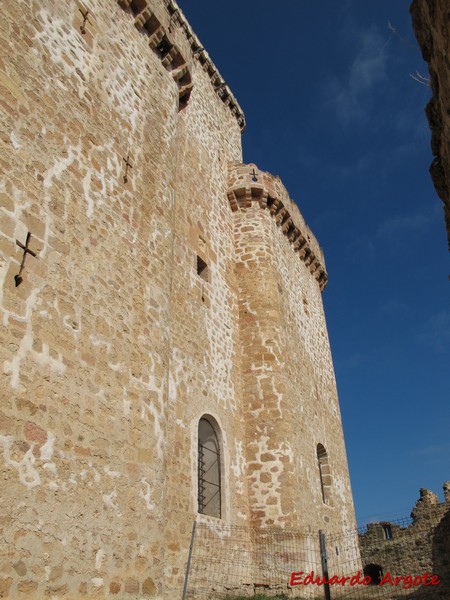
[146,19]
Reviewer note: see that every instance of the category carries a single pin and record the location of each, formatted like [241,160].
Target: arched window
[209,483]
[375,572]
[324,473]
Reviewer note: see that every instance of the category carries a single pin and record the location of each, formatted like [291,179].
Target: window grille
[209,483]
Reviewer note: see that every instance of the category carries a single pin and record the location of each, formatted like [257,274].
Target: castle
[164,350]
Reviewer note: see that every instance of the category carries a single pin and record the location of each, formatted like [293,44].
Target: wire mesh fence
[231,562]
[382,561]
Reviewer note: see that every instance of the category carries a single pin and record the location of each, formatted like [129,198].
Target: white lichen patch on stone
[152,413]
[98,341]
[220,329]
[84,158]
[109,501]
[110,472]
[341,490]
[15,140]
[152,406]
[91,475]
[239,466]
[46,451]
[66,48]
[179,373]
[146,493]
[73,325]
[61,164]
[28,475]
[308,317]
[100,556]
[126,403]
[100,394]
[117,367]
[265,485]
[51,468]
[43,358]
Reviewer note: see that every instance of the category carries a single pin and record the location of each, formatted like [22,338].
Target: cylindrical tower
[296,460]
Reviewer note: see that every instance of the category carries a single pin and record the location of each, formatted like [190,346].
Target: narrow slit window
[324,473]
[202,269]
[387,531]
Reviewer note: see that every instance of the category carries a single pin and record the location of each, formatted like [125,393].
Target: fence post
[188,564]
[323,556]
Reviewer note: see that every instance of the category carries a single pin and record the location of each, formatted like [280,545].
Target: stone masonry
[148,277]
[422,546]
[431,20]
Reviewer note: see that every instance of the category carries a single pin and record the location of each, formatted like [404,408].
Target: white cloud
[353,96]
[359,166]
[434,451]
[393,306]
[435,332]
[360,247]
[409,223]
[351,361]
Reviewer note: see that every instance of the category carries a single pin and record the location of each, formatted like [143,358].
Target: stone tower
[154,290]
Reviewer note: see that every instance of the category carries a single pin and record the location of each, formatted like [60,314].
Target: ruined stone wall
[118,146]
[420,546]
[431,25]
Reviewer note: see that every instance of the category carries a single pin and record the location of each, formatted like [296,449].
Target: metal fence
[386,560]
[232,562]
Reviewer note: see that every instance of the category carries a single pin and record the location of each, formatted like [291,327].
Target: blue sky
[332,109]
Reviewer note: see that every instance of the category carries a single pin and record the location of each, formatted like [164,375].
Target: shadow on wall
[441,556]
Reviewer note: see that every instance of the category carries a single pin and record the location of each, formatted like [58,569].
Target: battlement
[248,184]
[162,41]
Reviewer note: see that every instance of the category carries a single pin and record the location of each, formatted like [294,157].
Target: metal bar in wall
[188,564]
[323,556]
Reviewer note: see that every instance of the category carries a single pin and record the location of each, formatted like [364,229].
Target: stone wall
[431,25]
[119,144]
[413,549]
